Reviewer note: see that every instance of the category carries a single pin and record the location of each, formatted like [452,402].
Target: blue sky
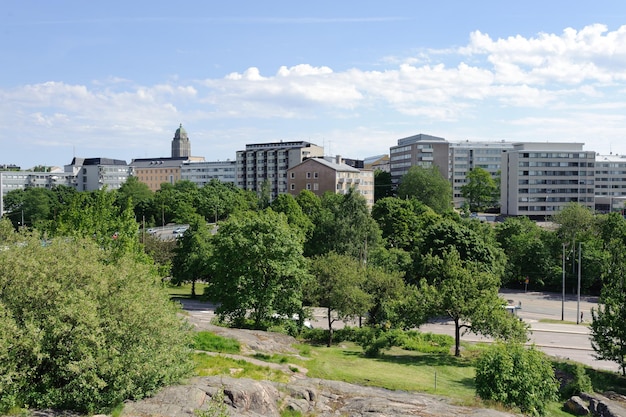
[115,79]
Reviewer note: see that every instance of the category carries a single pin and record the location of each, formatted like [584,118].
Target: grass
[211,342]
[184,290]
[207,365]
[396,369]
[556,321]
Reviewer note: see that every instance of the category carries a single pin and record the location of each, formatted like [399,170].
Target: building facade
[421,150]
[610,183]
[201,173]
[539,179]
[465,156]
[320,175]
[155,171]
[97,173]
[268,163]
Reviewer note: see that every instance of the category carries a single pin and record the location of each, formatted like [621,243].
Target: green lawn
[184,290]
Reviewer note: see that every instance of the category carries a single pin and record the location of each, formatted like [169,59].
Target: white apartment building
[201,173]
[269,162]
[539,179]
[610,183]
[465,156]
[96,173]
[19,180]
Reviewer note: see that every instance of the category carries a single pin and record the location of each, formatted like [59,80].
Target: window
[292,175]
[308,186]
[308,175]
[316,187]
[315,175]
[292,186]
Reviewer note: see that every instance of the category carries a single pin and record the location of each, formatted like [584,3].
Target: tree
[343,225]
[480,190]
[608,328]
[95,215]
[84,333]
[513,375]
[383,186]
[385,289]
[136,193]
[338,287]
[428,186]
[218,200]
[256,265]
[192,254]
[287,204]
[467,293]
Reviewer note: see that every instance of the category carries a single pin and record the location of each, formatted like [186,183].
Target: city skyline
[115,80]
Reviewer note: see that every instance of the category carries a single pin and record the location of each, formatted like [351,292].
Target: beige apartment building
[320,175]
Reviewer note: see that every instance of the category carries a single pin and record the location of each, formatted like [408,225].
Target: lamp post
[579,271]
[563,294]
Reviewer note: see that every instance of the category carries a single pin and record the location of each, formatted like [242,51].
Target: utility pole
[563,294]
[579,270]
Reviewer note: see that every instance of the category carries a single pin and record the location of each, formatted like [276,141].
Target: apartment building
[610,183]
[19,180]
[421,150]
[201,173]
[155,171]
[97,173]
[467,155]
[539,179]
[269,162]
[326,174]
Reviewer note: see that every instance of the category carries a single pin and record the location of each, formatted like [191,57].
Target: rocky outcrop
[608,405]
[309,396]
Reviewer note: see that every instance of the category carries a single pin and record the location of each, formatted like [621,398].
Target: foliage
[577,380]
[136,194]
[84,333]
[480,190]
[383,186]
[256,266]
[161,252]
[343,225]
[209,365]
[338,287]
[608,332]
[211,342]
[373,340]
[217,200]
[216,407]
[574,220]
[528,251]
[386,289]
[95,215]
[287,204]
[192,254]
[514,375]
[468,294]
[428,186]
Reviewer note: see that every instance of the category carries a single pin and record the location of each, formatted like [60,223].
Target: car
[179,231]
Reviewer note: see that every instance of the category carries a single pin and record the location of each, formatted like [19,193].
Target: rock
[577,406]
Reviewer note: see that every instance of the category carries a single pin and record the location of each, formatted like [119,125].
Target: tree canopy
[481,190]
[256,265]
[428,186]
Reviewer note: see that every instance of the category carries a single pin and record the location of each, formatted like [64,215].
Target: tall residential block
[268,162]
[539,179]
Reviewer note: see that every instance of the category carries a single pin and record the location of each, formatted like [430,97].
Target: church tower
[181,147]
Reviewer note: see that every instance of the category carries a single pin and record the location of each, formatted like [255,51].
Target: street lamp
[563,294]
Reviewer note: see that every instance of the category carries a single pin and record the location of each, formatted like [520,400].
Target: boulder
[577,406]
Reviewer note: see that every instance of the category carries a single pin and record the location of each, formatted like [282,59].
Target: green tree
[608,329]
[84,333]
[343,225]
[385,289]
[257,265]
[287,204]
[575,221]
[480,190]
[218,200]
[138,195]
[382,185]
[467,293]
[192,254]
[528,252]
[428,186]
[31,207]
[95,215]
[338,287]
[515,376]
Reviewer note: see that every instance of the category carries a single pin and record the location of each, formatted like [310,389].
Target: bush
[85,332]
[574,379]
[513,375]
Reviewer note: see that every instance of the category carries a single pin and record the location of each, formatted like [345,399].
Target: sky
[115,79]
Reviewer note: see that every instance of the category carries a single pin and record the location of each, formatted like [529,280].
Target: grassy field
[184,291]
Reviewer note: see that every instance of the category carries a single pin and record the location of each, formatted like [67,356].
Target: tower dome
[181,147]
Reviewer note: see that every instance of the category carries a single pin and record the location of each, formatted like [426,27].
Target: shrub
[86,332]
[575,379]
[513,375]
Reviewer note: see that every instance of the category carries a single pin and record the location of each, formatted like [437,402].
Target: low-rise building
[320,175]
[201,173]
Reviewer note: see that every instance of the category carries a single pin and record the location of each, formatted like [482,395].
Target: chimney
[338,159]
